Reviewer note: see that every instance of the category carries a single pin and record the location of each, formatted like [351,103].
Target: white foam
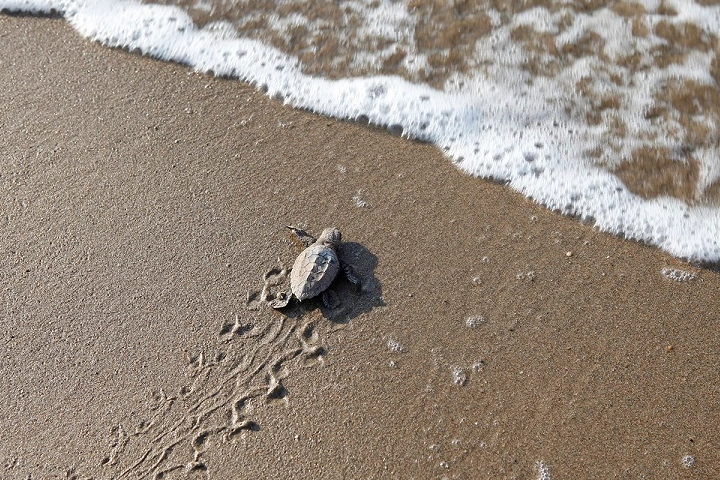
[503,124]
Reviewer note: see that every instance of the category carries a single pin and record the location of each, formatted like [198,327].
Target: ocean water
[608,111]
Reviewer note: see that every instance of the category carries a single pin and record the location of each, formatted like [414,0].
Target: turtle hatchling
[316,268]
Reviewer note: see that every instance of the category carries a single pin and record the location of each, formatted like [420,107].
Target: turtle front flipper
[352,276]
[281,300]
[302,235]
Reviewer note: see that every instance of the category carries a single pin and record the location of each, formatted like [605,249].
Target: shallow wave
[607,113]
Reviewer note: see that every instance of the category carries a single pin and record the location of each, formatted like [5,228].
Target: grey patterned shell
[317,266]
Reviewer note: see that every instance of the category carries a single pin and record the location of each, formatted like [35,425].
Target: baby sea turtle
[316,268]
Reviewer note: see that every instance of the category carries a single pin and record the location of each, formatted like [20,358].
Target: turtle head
[331,237]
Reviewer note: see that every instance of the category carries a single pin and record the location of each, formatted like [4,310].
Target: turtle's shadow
[352,301]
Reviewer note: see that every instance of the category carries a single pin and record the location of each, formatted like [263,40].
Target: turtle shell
[313,271]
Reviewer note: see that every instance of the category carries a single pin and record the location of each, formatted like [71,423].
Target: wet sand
[492,338]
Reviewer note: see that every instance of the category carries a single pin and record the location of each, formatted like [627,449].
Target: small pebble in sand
[568,254]
[688,461]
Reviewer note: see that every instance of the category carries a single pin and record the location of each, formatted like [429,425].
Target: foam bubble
[359,201]
[459,377]
[479,365]
[395,346]
[543,470]
[688,461]
[474,321]
[678,275]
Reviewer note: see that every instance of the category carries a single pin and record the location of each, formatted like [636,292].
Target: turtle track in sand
[252,356]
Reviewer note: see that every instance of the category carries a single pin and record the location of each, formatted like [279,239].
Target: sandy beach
[492,339]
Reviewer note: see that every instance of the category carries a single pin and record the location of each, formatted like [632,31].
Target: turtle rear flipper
[282,300]
[330,300]
[352,276]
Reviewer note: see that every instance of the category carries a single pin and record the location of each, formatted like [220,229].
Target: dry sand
[142,202]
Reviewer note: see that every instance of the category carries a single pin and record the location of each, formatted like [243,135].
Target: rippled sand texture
[638,80]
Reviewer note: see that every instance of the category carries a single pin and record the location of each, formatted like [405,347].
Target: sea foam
[528,131]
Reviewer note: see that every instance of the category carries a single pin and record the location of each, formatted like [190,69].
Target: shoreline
[144,201]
